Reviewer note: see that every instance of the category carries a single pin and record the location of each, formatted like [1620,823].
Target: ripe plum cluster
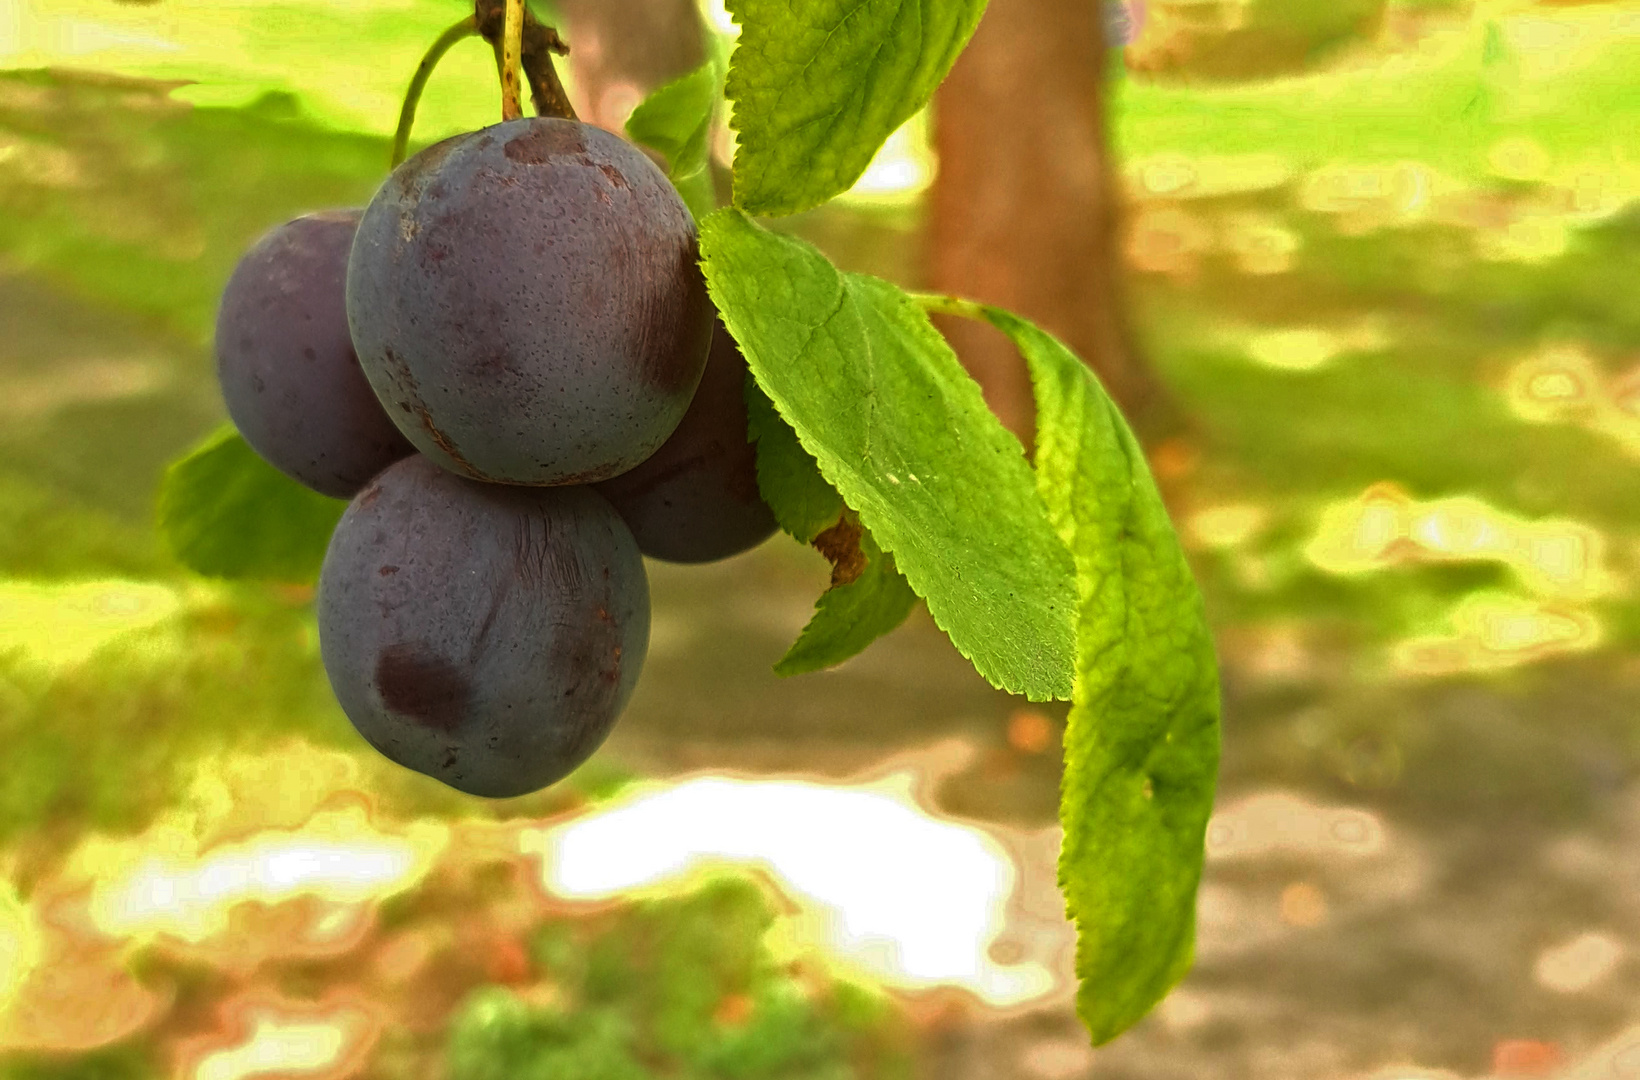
[508,362]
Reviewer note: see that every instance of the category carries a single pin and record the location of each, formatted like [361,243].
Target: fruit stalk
[512,50]
[538,45]
[466,28]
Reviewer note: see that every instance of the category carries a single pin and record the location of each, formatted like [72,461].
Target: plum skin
[696,499]
[285,360]
[527,301]
[486,636]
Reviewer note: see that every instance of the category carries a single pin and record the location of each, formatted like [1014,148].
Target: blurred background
[1366,277]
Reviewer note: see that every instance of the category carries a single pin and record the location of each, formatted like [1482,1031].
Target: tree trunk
[1024,211]
[622,49]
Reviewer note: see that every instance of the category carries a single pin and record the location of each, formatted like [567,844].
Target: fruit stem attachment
[466,28]
[512,56]
[540,43]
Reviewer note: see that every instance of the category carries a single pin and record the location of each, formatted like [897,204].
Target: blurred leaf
[817,88]
[901,431]
[676,119]
[227,513]
[347,62]
[803,502]
[683,987]
[1142,742]
[851,615]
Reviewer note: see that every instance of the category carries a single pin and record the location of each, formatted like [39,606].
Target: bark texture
[1024,212]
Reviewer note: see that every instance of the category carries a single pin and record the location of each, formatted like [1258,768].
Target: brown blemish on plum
[388,571]
[426,688]
[543,141]
[442,441]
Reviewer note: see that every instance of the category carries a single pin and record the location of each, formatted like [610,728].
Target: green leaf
[818,86]
[850,616]
[803,502]
[227,513]
[1142,745]
[875,598]
[900,430]
[676,119]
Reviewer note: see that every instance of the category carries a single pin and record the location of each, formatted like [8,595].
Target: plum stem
[512,55]
[539,43]
[466,28]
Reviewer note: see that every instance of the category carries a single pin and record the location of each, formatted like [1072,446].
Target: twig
[512,54]
[540,43]
[466,28]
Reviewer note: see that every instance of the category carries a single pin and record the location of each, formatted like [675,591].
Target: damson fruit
[486,636]
[696,499]
[283,355]
[527,301]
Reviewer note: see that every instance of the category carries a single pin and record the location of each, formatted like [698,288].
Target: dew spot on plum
[423,687]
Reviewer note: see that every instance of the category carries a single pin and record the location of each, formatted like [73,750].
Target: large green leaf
[900,430]
[1142,746]
[676,119]
[227,513]
[818,85]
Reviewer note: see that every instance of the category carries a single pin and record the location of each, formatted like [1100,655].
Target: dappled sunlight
[1493,631]
[262,1037]
[248,876]
[338,857]
[1551,46]
[1281,863]
[1176,176]
[55,626]
[1563,385]
[1281,823]
[1226,525]
[1307,348]
[234,52]
[1385,527]
[19,944]
[901,170]
[1579,964]
[1376,195]
[913,898]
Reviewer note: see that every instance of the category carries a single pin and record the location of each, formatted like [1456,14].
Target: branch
[540,44]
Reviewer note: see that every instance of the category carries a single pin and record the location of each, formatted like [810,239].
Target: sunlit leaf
[818,86]
[900,430]
[1142,743]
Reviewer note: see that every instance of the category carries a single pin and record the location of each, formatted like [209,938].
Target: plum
[695,499]
[484,635]
[289,377]
[527,301]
